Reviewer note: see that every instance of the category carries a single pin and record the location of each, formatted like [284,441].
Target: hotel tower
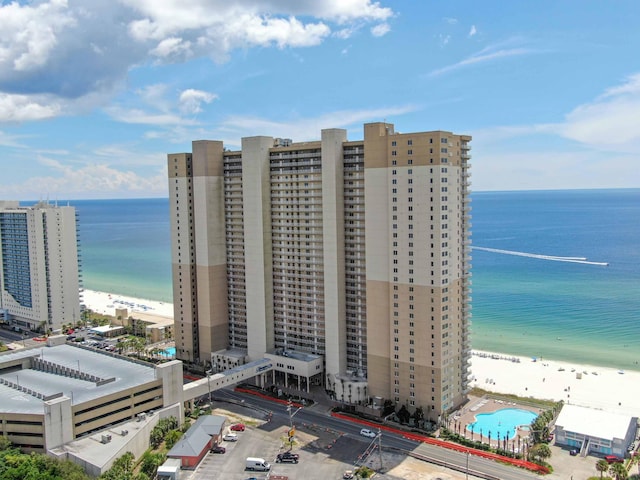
[347,263]
[39,274]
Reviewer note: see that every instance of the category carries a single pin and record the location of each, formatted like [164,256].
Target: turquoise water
[169,352]
[521,305]
[501,422]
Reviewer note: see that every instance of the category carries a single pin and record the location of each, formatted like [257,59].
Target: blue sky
[95,93]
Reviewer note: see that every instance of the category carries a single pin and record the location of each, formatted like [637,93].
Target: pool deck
[476,405]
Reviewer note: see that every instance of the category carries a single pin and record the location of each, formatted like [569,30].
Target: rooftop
[84,375]
[594,423]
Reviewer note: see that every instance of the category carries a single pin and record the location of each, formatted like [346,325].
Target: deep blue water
[550,309]
[566,311]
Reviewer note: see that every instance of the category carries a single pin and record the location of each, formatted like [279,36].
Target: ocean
[530,303]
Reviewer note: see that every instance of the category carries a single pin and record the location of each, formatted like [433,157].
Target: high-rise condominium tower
[353,252]
[39,277]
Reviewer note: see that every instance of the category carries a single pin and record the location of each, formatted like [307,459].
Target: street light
[467,472]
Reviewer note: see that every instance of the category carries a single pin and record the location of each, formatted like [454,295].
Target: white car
[365,432]
[230,437]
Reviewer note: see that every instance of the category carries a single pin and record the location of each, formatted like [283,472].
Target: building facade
[355,251]
[39,274]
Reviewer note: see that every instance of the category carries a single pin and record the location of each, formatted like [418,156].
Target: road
[442,456]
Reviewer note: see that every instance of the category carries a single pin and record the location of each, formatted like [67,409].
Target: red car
[613,459]
[238,427]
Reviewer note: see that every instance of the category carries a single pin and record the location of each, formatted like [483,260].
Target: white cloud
[302,129]
[137,116]
[472,31]
[24,108]
[487,54]
[380,30]
[70,49]
[610,122]
[603,153]
[30,33]
[450,20]
[88,179]
[443,39]
[191,100]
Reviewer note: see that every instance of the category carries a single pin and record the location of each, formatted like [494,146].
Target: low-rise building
[198,440]
[593,431]
[53,395]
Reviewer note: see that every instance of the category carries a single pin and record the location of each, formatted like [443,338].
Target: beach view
[328,239]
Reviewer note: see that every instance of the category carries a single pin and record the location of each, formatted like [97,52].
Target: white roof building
[595,431]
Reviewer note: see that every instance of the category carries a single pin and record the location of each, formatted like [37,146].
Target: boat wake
[553,258]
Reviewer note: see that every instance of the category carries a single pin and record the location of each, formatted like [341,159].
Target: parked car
[230,437]
[238,427]
[287,457]
[347,475]
[613,459]
[573,452]
[218,449]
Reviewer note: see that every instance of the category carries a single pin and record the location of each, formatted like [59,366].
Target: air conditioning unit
[106,438]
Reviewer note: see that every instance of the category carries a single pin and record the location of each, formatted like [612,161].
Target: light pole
[467,472]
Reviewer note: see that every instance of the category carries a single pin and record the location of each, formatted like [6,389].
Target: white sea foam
[553,258]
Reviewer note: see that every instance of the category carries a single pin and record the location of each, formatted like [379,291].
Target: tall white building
[353,252]
[39,276]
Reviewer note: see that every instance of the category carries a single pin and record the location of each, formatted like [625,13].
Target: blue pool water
[502,422]
[169,352]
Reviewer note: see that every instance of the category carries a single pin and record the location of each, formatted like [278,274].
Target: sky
[95,93]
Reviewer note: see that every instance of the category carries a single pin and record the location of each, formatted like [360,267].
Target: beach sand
[106,303]
[600,387]
[584,385]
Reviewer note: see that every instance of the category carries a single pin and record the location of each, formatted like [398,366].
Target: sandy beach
[106,303]
[585,385]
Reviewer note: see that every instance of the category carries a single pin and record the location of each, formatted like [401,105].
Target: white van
[258,464]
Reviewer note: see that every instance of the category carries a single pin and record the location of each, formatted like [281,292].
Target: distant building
[593,431]
[39,274]
[354,253]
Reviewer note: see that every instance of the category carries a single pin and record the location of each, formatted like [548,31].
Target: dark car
[573,452]
[218,449]
[287,457]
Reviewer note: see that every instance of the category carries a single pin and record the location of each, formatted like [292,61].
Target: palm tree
[602,466]
[619,471]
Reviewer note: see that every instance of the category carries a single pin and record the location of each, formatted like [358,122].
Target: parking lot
[318,452]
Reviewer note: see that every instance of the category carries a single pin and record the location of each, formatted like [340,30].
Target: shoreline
[593,386]
[598,387]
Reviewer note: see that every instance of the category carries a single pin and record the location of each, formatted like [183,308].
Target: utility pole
[467,472]
[380,448]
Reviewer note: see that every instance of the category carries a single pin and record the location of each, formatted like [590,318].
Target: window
[409,142]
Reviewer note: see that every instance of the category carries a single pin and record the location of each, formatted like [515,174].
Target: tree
[619,471]
[122,468]
[418,416]
[602,466]
[403,414]
[172,438]
[150,463]
[540,451]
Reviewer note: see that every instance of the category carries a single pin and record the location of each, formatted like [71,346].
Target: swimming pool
[501,422]
[169,352]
